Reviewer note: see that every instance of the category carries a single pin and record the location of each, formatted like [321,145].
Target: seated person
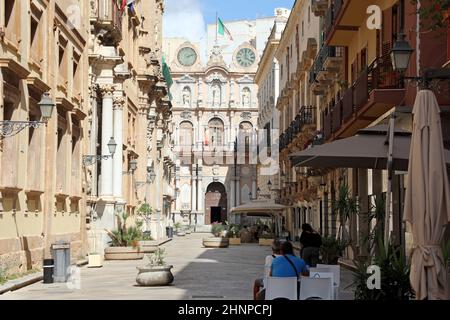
[288,265]
[259,283]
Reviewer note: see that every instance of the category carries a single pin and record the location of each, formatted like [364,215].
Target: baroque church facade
[215,114]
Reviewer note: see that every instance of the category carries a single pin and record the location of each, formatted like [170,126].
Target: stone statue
[216,95]
[186,97]
[246,97]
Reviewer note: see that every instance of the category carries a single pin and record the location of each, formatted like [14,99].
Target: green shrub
[3,277]
[217,229]
[395,282]
[125,236]
[233,230]
[157,259]
[332,249]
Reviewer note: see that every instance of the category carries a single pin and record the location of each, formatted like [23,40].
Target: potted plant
[178,229]
[233,234]
[331,250]
[147,243]
[395,282]
[157,273]
[266,239]
[125,241]
[219,240]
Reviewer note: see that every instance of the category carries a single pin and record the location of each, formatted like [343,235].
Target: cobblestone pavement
[200,273]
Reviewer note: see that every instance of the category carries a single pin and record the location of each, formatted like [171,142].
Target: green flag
[222,29]
[167,76]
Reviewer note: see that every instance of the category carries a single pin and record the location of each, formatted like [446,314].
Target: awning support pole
[390,176]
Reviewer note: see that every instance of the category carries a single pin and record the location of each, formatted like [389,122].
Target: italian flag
[222,29]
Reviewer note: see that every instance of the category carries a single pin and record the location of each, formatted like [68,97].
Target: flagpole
[217,26]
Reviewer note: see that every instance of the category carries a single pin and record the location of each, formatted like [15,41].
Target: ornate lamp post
[9,128]
[89,160]
[151,176]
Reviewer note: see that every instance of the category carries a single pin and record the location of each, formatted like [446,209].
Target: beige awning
[368,149]
[259,208]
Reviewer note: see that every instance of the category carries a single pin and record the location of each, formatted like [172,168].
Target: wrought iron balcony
[331,15]
[377,89]
[326,68]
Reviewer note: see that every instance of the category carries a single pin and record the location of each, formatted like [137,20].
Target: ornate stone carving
[107,90]
[246,115]
[118,103]
[186,115]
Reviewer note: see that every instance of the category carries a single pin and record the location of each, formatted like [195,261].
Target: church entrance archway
[216,203]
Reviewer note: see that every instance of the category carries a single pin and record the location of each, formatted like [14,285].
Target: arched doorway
[215,203]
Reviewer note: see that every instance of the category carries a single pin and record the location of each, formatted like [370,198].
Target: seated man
[259,283]
[288,265]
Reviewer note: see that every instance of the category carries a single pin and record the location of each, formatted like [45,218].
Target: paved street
[199,274]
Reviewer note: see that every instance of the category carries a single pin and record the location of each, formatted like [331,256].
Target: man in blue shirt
[288,265]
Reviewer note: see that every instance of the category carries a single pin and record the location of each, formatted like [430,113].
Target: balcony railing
[379,75]
[306,116]
[332,14]
[319,64]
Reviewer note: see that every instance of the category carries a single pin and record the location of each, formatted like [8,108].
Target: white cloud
[184,19]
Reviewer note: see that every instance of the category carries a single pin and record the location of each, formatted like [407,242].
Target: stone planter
[148,246]
[155,276]
[123,253]
[266,242]
[216,242]
[235,241]
[95,261]
[181,233]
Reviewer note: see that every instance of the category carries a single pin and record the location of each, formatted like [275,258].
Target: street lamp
[269,185]
[9,128]
[401,54]
[89,160]
[151,175]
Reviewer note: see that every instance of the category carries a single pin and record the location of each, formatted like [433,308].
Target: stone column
[93,137]
[254,189]
[107,133]
[118,159]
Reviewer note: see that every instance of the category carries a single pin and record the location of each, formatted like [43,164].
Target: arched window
[216,132]
[186,95]
[186,134]
[246,97]
[246,131]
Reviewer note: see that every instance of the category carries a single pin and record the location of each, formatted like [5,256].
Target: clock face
[246,57]
[187,56]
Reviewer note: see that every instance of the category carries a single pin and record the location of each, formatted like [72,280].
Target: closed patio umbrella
[427,203]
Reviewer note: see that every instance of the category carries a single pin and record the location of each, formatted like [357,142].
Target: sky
[188,18]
